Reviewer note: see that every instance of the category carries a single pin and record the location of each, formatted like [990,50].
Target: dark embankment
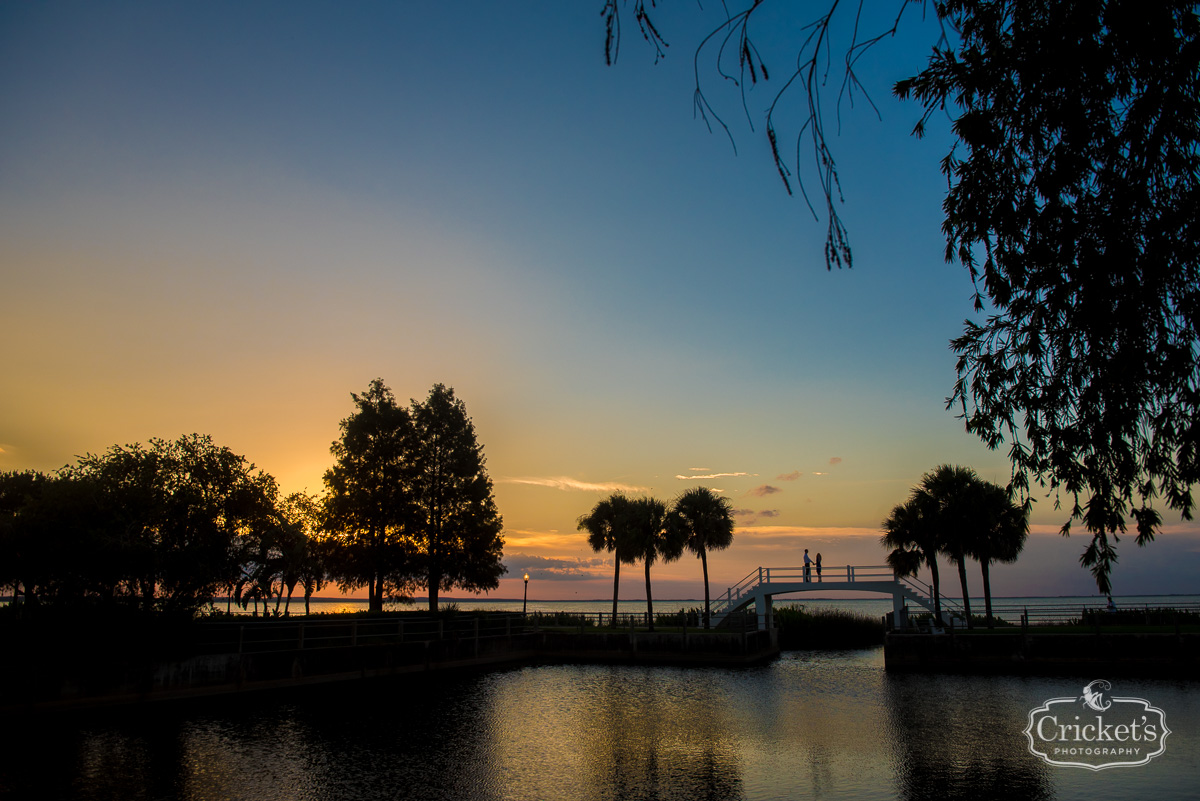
[84,658]
[74,661]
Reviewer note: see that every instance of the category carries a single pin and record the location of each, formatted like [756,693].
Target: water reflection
[962,737]
[822,726]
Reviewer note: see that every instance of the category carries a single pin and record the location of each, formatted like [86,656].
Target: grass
[826,628]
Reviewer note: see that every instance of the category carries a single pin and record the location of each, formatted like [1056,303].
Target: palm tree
[954,512]
[704,521]
[1003,528]
[651,539]
[952,492]
[905,561]
[607,530]
[908,531]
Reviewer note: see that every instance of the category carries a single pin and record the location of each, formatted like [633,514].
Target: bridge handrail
[949,604]
[723,603]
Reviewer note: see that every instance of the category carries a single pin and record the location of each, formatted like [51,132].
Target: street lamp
[525,603]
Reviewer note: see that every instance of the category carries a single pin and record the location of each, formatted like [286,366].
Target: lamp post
[525,603]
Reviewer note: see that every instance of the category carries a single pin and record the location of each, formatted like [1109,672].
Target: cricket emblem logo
[1097,730]
[1095,695]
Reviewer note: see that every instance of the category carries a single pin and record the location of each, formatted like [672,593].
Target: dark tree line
[169,526]
[158,527]
[1073,201]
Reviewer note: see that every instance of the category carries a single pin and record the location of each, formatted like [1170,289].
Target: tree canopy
[1073,195]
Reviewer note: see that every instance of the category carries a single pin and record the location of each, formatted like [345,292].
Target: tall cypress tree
[369,506]
[458,528]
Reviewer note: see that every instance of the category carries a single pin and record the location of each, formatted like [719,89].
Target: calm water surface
[810,725]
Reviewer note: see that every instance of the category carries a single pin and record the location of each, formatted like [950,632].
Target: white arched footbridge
[762,585]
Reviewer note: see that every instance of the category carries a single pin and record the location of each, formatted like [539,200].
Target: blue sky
[226,217]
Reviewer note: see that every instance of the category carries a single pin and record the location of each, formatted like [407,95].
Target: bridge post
[764,611]
[899,620]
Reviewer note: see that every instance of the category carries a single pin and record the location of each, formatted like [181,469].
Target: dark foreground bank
[71,666]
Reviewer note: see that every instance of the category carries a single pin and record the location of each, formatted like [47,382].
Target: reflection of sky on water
[810,725]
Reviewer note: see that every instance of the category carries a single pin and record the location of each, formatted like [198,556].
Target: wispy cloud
[748,517]
[530,538]
[713,475]
[748,534]
[700,469]
[575,485]
[836,460]
[792,476]
[561,567]
[763,491]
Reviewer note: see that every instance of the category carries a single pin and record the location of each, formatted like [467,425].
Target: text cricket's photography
[605,400]
[1135,734]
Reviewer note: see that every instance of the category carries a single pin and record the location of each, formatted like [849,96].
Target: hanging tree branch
[733,39]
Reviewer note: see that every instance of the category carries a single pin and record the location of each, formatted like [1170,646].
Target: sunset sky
[224,218]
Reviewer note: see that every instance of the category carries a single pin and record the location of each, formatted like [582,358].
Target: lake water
[821,725]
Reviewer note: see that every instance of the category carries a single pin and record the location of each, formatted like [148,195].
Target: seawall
[43,681]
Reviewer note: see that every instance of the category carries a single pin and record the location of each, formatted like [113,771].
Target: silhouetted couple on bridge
[808,566]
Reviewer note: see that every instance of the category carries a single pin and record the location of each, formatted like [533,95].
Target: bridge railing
[949,605]
[734,594]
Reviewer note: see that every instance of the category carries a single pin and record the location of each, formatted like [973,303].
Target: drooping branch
[729,53]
